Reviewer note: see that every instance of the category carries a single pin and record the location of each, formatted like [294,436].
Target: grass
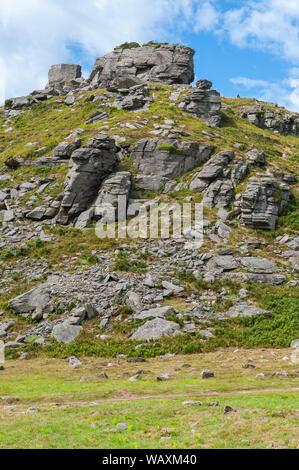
[73,402]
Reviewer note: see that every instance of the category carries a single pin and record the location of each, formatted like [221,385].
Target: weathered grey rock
[159,312]
[218,178]
[273,279]
[88,168]
[4,327]
[295,344]
[273,120]
[38,297]
[226,262]
[134,301]
[19,102]
[166,63]
[63,73]
[136,97]
[69,100]
[65,332]
[244,310]
[255,157]
[74,362]
[155,329]
[64,150]
[262,202]
[203,103]
[162,160]
[114,190]
[258,265]
[8,216]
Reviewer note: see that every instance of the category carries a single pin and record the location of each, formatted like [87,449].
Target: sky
[246,47]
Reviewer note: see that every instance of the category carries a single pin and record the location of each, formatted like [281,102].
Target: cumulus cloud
[270,24]
[35,34]
[285,92]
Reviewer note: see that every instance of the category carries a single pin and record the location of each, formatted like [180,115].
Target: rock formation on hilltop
[166,63]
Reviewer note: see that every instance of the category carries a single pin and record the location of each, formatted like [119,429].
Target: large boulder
[37,298]
[159,161]
[64,73]
[258,265]
[155,329]
[166,63]
[244,309]
[203,103]
[262,202]
[89,166]
[65,332]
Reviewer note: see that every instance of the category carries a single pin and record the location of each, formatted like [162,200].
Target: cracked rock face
[159,161]
[89,166]
[218,179]
[203,103]
[167,63]
[262,202]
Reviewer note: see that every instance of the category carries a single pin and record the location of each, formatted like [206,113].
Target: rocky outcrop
[262,202]
[113,191]
[166,63]
[159,161]
[218,179]
[273,120]
[64,73]
[203,103]
[89,166]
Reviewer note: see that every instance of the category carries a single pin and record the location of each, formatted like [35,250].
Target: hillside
[106,297]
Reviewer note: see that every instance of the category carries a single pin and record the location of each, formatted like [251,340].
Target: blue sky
[248,47]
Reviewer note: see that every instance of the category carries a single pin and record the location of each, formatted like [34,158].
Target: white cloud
[248,82]
[270,24]
[35,34]
[285,92]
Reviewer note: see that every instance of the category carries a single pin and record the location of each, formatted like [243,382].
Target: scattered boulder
[207,374]
[65,332]
[155,329]
[37,298]
[244,309]
[159,312]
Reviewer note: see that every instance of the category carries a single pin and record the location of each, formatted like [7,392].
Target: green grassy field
[80,409]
